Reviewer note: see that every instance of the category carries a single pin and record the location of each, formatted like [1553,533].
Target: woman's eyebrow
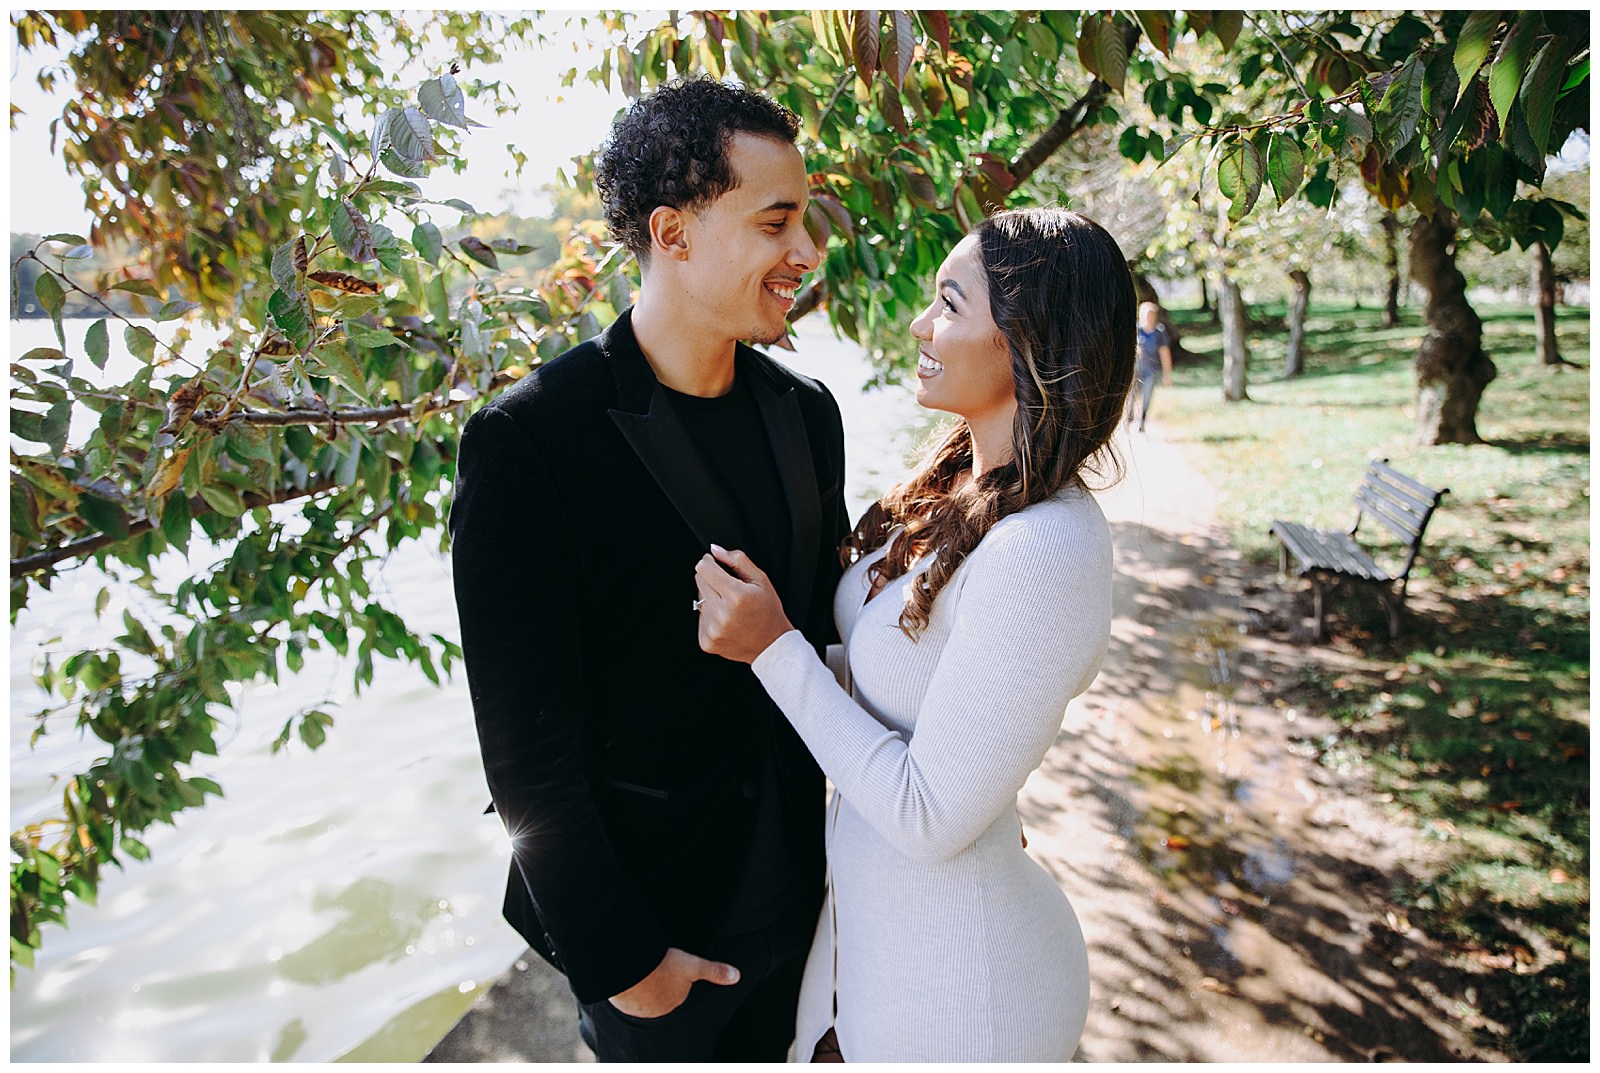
[954,286]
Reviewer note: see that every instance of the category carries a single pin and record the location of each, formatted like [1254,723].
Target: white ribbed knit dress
[951,943]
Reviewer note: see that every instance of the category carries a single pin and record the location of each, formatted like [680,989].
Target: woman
[978,603]
[1155,356]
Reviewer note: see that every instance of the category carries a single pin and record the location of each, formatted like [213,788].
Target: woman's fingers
[741,564]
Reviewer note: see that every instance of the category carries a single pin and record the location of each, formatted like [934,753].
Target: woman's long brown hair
[1062,297]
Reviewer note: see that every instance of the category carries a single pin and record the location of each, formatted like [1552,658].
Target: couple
[649,536]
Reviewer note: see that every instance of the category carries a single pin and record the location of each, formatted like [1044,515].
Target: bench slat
[1329,549]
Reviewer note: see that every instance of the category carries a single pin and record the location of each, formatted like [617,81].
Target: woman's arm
[1032,616]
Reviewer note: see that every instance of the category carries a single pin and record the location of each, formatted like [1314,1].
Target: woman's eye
[946,303]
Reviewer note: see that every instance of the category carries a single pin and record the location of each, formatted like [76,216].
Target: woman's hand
[740,612]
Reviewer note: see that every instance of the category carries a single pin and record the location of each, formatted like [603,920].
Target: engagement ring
[697,604]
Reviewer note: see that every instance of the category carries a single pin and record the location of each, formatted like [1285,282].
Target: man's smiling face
[748,249]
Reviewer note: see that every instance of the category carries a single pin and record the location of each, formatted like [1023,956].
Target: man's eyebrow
[781,206]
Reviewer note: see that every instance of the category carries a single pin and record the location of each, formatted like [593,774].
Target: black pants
[750,1021]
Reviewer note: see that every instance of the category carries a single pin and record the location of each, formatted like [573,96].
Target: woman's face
[963,365]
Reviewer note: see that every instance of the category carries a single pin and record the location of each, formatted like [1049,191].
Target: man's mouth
[927,367]
[782,289]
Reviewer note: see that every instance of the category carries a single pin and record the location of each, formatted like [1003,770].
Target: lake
[337,904]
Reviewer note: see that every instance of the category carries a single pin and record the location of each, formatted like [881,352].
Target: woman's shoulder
[1068,524]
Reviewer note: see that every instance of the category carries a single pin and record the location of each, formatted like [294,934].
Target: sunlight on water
[337,904]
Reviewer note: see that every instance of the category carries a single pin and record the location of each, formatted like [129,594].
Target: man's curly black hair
[671,148]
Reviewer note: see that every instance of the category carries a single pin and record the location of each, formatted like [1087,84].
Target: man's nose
[805,255]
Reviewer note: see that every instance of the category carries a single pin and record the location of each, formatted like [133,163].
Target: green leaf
[1540,88]
[1157,27]
[1511,64]
[393,188]
[338,361]
[401,166]
[105,516]
[68,237]
[440,103]
[1132,145]
[289,314]
[284,273]
[96,344]
[54,426]
[1239,176]
[1401,108]
[1111,52]
[141,343]
[479,251]
[407,132]
[48,290]
[138,286]
[366,337]
[314,728]
[174,309]
[1226,25]
[223,500]
[1286,166]
[134,848]
[352,306]
[1472,45]
[351,232]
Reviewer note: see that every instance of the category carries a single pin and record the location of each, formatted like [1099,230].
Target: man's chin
[769,336]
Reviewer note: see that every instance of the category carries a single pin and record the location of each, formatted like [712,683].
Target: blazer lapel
[647,420]
[791,448]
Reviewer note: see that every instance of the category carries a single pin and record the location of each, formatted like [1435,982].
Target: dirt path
[1233,891]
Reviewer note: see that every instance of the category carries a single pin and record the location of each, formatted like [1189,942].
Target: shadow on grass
[1477,719]
[1548,443]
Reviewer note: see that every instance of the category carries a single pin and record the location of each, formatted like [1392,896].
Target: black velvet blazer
[626,763]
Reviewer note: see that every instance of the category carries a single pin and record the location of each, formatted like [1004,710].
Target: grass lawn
[1475,724]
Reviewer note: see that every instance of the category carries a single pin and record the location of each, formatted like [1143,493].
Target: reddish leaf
[864,43]
[938,24]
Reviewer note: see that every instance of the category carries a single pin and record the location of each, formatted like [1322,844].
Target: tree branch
[77,549]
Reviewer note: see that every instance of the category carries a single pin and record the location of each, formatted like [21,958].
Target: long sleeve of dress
[1031,614]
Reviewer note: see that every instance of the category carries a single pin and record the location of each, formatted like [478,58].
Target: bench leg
[1316,603]
[1391,607]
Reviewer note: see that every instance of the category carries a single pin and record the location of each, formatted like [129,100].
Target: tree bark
[1205,297]
[1294,360]
[1235,344]
[1391,262]
[1544,283]
[1451,366]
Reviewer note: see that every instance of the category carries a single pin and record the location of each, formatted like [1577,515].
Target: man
[666,821]
[1154,355]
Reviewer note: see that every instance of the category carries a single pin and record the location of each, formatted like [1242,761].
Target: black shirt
[732,439]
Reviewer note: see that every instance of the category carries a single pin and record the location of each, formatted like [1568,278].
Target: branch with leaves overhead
[354,330]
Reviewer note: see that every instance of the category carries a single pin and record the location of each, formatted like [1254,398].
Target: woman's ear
[668,235]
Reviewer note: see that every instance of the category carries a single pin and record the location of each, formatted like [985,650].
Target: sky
[553,125]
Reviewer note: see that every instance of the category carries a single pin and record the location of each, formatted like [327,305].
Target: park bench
[1328,556]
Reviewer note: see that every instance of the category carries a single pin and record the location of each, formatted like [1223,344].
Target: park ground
[1286,849]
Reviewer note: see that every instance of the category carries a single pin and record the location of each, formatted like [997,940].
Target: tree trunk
[1451,366]
[1294,360]
[1391,262]
[1544,284]
[1235,348]
[1205,296]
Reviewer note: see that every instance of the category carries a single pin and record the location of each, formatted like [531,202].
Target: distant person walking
[1155,354]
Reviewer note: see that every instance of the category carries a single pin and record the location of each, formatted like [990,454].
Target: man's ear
[669,235]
